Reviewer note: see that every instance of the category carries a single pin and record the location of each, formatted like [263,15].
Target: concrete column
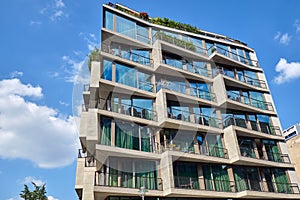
[200,177]
[231,178]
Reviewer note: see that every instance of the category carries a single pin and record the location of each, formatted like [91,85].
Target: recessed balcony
[127,180]
[196,118]
[126,109]
[185,182]
[128,55]
[182,88]
[222,55]
[264,155]
[262,127]
[255,103]
[266,186]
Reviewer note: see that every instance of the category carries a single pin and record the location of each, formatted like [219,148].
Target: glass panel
[228,72]
[221,178]
[234,54]
[209,48]
[142,34]
[107,70]
[241,55]
[222,49]
[246,148]
[145,139]
[141,56]
[282,181]
[248,58]
[143,108]
[253,122]
[145,81]
[272,151]
[257,100]
[125,27]
[109,22]
[265,124]
[240,74]
[198,45]
[105,125]
[186,176]
[127,136]
[125,75]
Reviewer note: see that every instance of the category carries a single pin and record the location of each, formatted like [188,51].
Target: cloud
[63,103]
[34,132]
[287,71]
[32,22]
[30,179]
[283,38]
[16,74]
[91,40]
[297,26]
[77,71]
[52,198]
[55,11]
[276,37]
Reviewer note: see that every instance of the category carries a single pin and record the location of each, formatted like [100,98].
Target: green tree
[39,192]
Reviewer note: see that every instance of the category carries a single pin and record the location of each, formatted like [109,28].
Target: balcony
[128,55]
[245,79]
[250,101]
[232,57]
[188,67]
[179,43]
[89,161]
[262,127]
[183,147]
[265,155]
[266,186]
[194,118]
[184,182]
[182,88]
[126,109]
[127,180]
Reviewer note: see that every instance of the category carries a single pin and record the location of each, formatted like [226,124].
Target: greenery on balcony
[173,24]
[160,21]
[94,56]
[175,41]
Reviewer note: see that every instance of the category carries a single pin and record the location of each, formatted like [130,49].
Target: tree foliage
[39,192]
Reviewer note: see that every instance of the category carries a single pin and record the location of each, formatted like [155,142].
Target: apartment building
[174,112]
[292,138]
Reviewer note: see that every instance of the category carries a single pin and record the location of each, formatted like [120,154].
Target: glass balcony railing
[262,127]
[179,43]
[185,182]
[190,67]
[188,147]
[127,180]
[126,109]
[232,55]
[250,101]
[275,157]
[266,186]
[245,79]
[194,118]
[182,88]
[128,55]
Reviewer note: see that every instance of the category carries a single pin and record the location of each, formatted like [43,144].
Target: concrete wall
[294,149]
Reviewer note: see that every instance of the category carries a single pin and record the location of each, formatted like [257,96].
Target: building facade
[292,138]
[172,111]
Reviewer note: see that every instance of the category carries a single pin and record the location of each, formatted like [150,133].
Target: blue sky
[44,43]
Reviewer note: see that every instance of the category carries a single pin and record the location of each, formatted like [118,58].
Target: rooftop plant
[161,21]
[94,56]
[176,41]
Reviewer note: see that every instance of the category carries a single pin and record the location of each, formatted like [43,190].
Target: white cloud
[91,40]
[63,103]
[297,26]
[30,179]
[52,198]
[16,74]
[276,37]
[34,132]
[285,39]
[32,22]
[77,71]
[55,11]
[287,71]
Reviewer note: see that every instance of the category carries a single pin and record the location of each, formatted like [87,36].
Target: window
[126,75]
[107,70]
[210,144]
[216,178]
[109,22]
[105,131]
